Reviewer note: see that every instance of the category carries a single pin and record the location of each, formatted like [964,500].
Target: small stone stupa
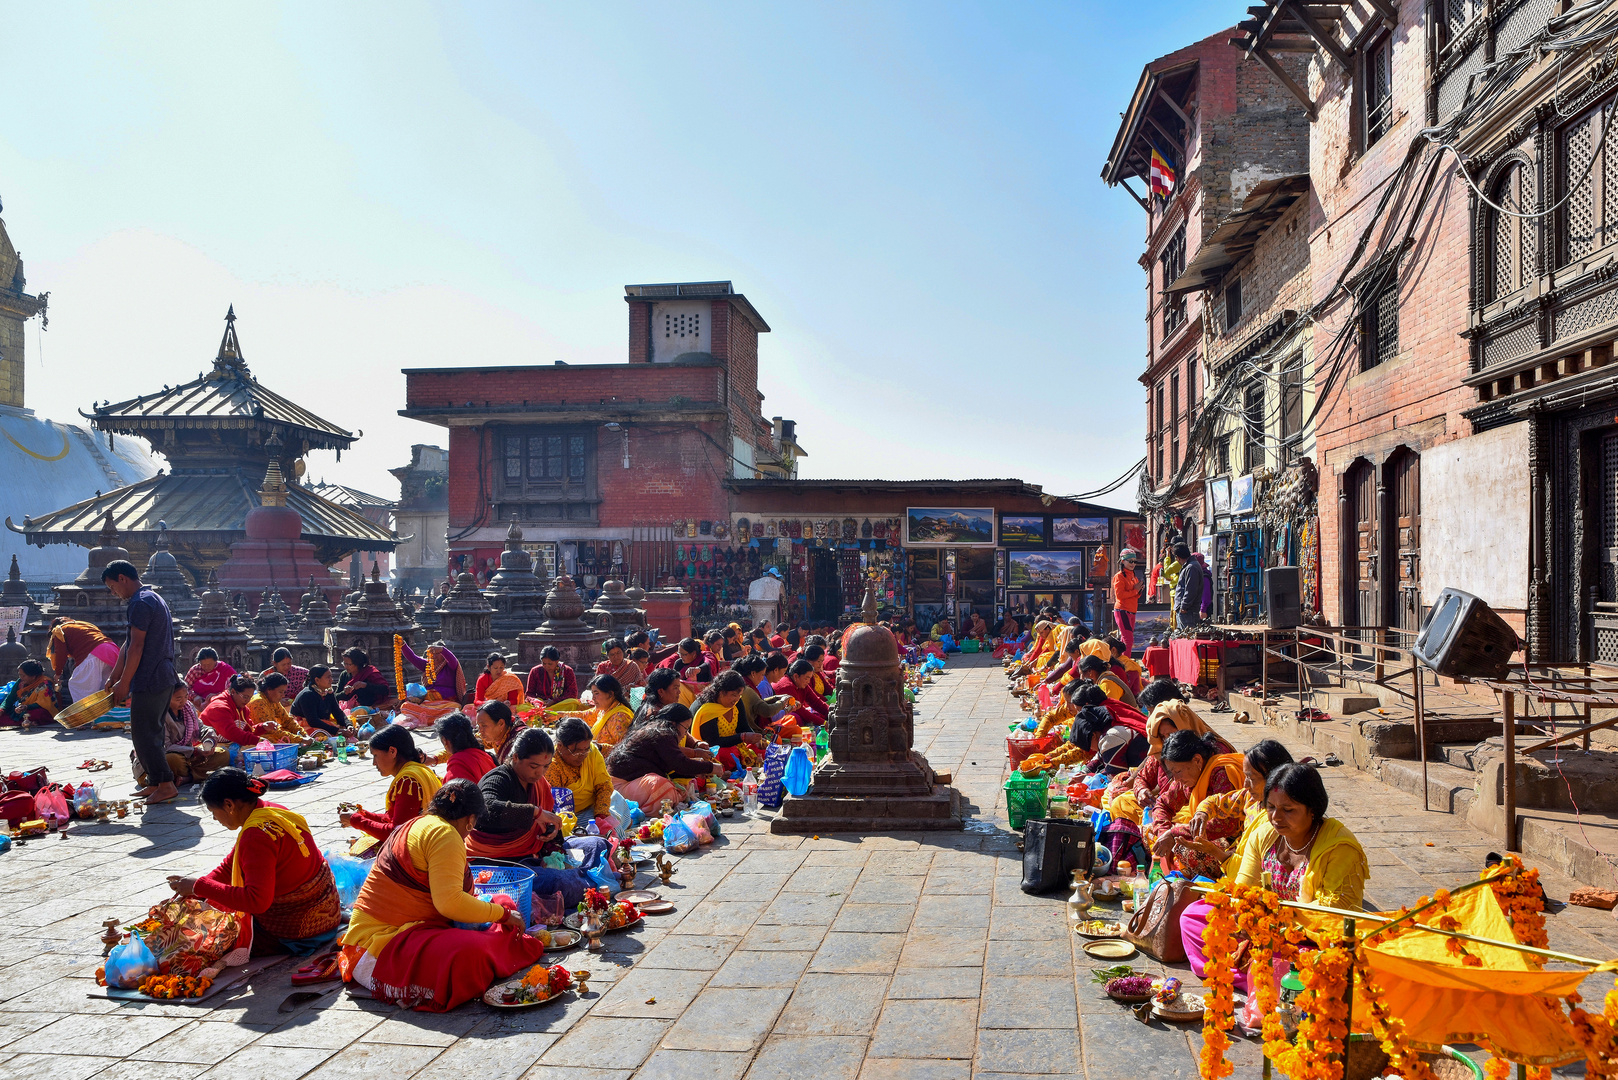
[872,780]
[614,611]
[464,622]
[564,627]
[14,594]
[308,642]
[88,598]
[269,629]
[371,624]
[163,573]
[516,592]
[214,626]
[12,653]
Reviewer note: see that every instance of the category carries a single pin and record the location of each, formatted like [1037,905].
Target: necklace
[1300,850]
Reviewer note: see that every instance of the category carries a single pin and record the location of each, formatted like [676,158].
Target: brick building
[1222,129]
[593,460]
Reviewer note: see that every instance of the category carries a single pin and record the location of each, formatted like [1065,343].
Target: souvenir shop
[826,562]
[1061,560]
[1259,521]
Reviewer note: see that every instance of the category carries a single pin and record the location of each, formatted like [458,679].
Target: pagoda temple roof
[343,495]
[228,397]
[203,504]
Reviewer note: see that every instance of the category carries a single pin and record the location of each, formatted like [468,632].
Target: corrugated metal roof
[343,495]
[210,501]
[228,393]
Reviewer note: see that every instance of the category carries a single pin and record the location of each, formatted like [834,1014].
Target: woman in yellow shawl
[274,874]
[1196,770]
[267,707]
[1132,799]
[580,769]
[1037,645]
[609,716]
[395,754]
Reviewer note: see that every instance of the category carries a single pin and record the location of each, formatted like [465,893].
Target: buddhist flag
[1162,175]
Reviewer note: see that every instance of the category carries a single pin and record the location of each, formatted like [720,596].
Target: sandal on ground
[320,969]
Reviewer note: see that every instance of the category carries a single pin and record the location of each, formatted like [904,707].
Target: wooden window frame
[572,497]
[1373,348]
[1520,241]
[1603,205]
[1372,129]
[1233,311]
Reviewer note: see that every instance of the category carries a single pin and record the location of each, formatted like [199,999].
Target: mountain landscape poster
[1047,569]
[1080,530]
[1015,529]
[949,526]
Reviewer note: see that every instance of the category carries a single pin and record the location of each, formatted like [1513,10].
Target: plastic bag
[770,789]
[349,873]
[620,811]
[556,860]
[129,962]
[51,805]
[563,797]
[602,877]
[709,818]
[678,838]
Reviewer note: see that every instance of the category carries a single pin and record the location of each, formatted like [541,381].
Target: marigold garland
[398,664]
[430,676]
[1323,1031]
[1596,1035]
[1219,980]
[1520,896]
[1403,1059]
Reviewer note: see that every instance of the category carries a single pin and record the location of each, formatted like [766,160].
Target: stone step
[1349,702]
[1449,789]
[1458,754]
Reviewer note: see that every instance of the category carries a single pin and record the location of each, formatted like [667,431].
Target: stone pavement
[841,957]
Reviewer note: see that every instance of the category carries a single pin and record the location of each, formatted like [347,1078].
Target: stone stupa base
[871,796]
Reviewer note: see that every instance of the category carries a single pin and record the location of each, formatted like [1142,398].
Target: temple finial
[230,347]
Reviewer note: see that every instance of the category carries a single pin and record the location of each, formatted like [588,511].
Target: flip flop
[320,969]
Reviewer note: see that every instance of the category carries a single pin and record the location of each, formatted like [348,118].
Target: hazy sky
[909,194]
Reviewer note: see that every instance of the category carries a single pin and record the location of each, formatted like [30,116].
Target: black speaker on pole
[1282,600]
[1464,638]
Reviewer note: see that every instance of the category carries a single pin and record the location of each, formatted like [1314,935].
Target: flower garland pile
[398,664]
[1522,899]
[1596,1035]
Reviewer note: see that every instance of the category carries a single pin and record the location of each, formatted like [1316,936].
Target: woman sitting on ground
[757,689]
[496,683]
[395,754]
[618,664]
[642,765]
[449,679]
[1245,806]
[316,704]
[1160,690]
[227,714]
[30,697]
[402,944]
[207,677]
[1124,666]
[663,687]
[1197,771]
[581,770]
[1116,741]
[361,681]
[720,722]
[519,821]
[1099,671]
[1067,671]
[274,873]
[191,749]
[281,661]
[1132,797]
[467,760]
[497,729]
[552,683]
[268,710]
[809,707]
[610,715]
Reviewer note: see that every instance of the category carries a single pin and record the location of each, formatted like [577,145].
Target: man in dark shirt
[145,675]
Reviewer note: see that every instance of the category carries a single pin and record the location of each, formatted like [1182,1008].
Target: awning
[1236,235]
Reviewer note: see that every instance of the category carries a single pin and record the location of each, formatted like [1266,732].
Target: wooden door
[1364,545]
[1404,484]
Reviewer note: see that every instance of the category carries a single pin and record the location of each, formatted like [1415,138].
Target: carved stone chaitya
[564,627]
[164,575]
[614,611]
[515,591]
[872,780]
[215,627]
[308,642]
[464,620]
[371,624]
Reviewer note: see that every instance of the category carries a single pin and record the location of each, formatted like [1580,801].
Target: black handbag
[1052,849]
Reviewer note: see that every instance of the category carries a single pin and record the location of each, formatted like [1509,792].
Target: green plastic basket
[1026,798]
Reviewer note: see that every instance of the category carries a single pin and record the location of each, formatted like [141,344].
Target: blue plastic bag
[129,962]
[563,797]
[770,789]
[798,771]
[602,877]
[677,838]
[349,873]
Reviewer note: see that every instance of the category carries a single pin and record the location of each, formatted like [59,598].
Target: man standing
[1126,598]
[1187,589]
[764,596]
[145,675]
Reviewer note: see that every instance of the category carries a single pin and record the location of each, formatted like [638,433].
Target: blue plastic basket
[515,881]
[284,756]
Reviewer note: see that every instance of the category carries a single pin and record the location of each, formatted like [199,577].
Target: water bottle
[822,744]
[341,745]
[799,770]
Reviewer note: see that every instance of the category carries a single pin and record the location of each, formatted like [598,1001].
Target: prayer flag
[1162,175]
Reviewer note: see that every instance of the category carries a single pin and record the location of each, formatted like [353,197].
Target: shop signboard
[935,526]
[1047,569]
[1081,530]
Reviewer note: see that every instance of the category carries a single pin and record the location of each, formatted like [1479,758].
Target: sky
[908,193]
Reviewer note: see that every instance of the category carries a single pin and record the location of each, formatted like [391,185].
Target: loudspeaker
[1464,638]
[1281,597]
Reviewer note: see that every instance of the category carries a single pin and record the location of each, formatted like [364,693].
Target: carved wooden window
[1379,319]
[1233,304]
[1455,16]
[1291,405]
[1157,437]
[1253,424]
[1174,421]
[1377,92]
[1589,219]
[547,473]
[1511,238]
[1190,394]
[1172,266]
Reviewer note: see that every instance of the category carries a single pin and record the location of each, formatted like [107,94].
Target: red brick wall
[1415,399]
[672,475]
[579,385]
[640,333]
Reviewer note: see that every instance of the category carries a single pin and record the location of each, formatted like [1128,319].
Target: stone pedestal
[872,780]
[578,641]
[614,611]
[371,624]
[463,623]
[214,627]
[12,653]
[669,610]
[14,594]
[515,592]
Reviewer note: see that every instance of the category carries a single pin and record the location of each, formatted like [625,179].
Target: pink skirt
[649,792]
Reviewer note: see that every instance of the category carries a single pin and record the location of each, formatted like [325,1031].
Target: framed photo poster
[1022,530]
[949,527]
[1081,530]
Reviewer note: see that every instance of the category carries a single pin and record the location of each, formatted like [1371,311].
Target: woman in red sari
[395,755]
[274,875]
[810,707]
[467,760]
[402,944]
